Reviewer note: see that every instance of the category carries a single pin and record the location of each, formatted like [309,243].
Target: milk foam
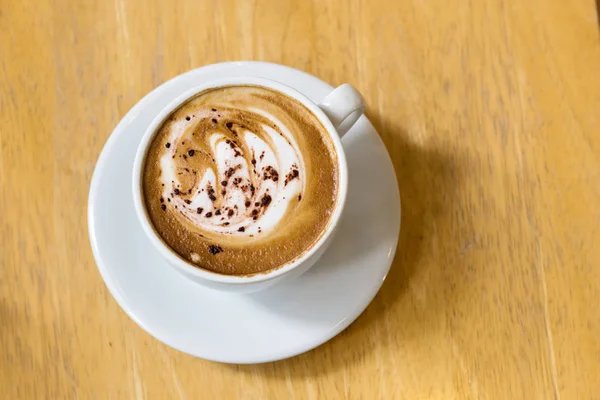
[256,197]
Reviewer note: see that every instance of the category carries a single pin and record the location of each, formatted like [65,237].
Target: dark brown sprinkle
[265,200]
[214,121]
[187,169]
[184,157]
[214,109]
[162,200]
[167,145]
[176,191]
[241,229]
[187,201]
[218,212]
[253,161]
[256,204]
[223,183]
[199,210]
[162,184]
[230,213]
[247,203]
[223,192]
[187,118]
[299,197]
[189,191]
[169,200]
[208,214]
[252,188]
[262,155]
[229,125]
[225,223]
[295,173]
[176,207]
[254,212]
[191,153]
[212,197]
[214,249]
[237,154]
[254,218]
[268,168]
[163,207]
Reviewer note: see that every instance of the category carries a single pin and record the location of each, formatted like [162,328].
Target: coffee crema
[240,180]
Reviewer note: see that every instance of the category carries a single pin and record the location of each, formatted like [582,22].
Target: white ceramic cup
[337,112]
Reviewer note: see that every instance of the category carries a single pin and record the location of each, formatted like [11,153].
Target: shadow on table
[598,12]
[428,181]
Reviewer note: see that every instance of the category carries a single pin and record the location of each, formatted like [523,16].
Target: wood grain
[490,111]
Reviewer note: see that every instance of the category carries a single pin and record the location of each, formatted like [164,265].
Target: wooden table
[490,111]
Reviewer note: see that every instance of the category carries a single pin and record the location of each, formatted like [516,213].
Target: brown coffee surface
[240,180]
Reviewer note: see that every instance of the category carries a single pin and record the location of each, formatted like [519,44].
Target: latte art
[231,172]
[240,180]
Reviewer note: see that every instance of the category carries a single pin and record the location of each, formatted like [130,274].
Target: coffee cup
[337,112]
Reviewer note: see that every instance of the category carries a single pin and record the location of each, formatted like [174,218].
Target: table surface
[490,111]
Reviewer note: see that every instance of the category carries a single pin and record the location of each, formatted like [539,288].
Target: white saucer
[281,322]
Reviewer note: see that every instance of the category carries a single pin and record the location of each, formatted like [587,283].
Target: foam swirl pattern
[239,178]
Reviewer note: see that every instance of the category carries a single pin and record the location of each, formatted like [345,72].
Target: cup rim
[175,259]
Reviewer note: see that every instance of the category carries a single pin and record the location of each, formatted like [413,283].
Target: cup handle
[343,106]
